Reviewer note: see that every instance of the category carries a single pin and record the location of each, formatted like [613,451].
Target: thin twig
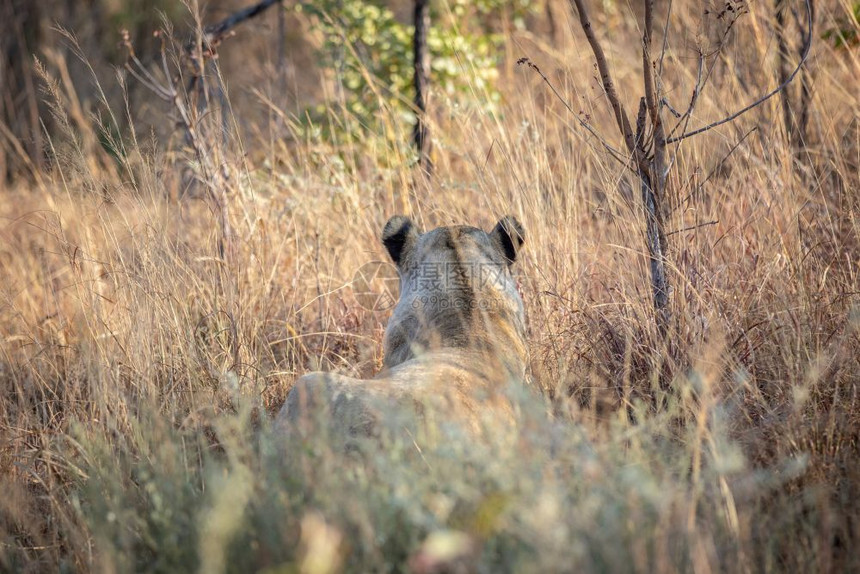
[616,154]
[672,110]
[731,151]
[807,43]
[684,119]
[692,227]
[703,79]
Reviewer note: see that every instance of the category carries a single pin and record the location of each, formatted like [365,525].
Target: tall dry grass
[139,368]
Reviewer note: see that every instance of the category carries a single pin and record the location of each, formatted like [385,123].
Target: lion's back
[443,387]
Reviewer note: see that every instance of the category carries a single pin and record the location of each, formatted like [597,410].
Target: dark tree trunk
[653,176]
[656,238]
[805,86]
[783,68]
[421,133]
[795,120]
[21,140]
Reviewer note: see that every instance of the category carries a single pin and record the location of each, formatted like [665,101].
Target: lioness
[455,338]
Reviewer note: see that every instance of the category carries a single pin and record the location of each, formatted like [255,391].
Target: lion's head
[456,290]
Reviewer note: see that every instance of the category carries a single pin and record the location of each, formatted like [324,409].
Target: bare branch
[606,77]
[668,105]
[214,33]
[693,227]
[702,76]
[807,43]
[683,119]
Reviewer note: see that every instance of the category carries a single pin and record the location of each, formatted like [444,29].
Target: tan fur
[455,339]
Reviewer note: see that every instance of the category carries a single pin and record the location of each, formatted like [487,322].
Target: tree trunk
[653,174]
[656,239]
[783,68]
[795,121]
[421,133]
[21,142]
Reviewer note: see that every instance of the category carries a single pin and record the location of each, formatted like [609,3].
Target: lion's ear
[509,235]
[399,236]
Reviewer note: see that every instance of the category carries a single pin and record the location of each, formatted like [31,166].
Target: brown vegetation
[138,366]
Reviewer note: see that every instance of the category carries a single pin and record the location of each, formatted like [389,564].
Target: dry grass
[138,369]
